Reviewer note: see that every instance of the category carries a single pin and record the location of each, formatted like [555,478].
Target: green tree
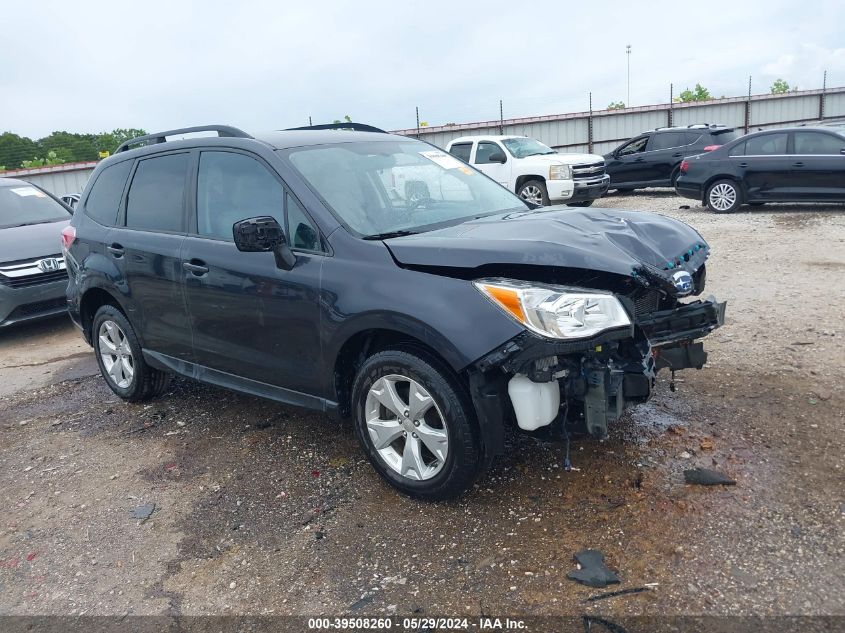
[699,94]
[109,141]
[780,87]
[68,146]
[15,149]
[51,159]
[616,105]
[346,118]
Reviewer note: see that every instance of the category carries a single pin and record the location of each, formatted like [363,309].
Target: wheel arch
[92,300]
[521,180]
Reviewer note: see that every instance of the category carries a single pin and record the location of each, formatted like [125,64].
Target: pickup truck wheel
[120,359]
[416,424]
[534,191]
[581,203]
[723,196]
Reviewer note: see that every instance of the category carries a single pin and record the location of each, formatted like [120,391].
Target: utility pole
[628,55]
[501,118]
[418,121]
[309,122]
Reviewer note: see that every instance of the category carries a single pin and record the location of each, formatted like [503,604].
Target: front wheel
[121,360]
[581,203]
[723,196]
[416,424]
[535,192]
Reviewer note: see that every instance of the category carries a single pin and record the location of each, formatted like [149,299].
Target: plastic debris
[614,594]
[144,511]
[707,477]
[593,572]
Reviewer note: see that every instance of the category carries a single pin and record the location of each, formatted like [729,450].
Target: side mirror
[262,235]
[497,157]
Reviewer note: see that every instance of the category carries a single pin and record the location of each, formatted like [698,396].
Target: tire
[130,377]
[673,179]
[723,196]
[581,203]
[534,191]
[414,468]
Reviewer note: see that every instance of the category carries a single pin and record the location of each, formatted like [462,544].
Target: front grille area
[588,171]
[36,272]
[38,307]
[646,302]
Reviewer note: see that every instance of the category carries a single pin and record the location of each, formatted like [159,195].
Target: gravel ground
[264,509]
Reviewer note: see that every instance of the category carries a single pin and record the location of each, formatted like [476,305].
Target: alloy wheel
[116,354]
[406,427]
[532,194]
[722,197]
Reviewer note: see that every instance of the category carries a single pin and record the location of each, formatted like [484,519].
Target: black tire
[145,382]
[673,179]
[540,185]
[581,203]
[463,458]
[722,203]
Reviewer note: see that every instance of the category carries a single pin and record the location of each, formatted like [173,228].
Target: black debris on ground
[707,477]
[614,594]
[144,511]
[593,572]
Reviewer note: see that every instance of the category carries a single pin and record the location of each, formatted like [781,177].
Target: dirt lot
[264,509]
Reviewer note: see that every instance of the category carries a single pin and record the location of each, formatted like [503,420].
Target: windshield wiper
[389,234]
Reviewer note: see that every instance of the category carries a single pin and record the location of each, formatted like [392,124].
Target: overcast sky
[87,66]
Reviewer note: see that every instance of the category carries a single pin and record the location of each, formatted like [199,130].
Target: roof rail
[161,137]
[357,127]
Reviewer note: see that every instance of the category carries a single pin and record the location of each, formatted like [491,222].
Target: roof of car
[284,139]
[485,137]
[11,182]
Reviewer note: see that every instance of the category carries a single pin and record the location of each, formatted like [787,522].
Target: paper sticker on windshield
[446,161]
[28,191]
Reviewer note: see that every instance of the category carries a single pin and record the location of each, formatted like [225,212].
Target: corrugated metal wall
[57,179]
[571,132]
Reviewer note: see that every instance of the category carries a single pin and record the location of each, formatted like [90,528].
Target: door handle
[116,250]
[677,154]
[639,160]
[798,164]
[743,165]
[196,267]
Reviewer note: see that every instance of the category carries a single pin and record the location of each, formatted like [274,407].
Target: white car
[534,171]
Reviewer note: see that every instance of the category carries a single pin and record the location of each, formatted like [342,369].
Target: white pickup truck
[534,171]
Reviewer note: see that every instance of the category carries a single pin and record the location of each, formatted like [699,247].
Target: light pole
[628,55]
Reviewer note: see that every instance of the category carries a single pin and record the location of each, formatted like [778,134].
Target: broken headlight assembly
[555,311]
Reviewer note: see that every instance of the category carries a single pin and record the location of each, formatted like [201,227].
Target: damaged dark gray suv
[296,266]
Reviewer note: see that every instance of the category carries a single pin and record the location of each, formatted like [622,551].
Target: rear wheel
[581,203]
[416,424]
[723,196]
[120,359]
[534,191]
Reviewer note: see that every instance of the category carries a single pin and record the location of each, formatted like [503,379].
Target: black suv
[653,159]
[292,266]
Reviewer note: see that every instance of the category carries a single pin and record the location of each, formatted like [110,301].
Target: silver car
[32,270]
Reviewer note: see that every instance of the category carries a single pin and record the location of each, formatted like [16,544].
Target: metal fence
[57,179]
[599,131]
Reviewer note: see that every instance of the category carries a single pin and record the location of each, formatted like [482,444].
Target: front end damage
[585,385]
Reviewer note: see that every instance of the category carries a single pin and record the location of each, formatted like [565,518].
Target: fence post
[501,118]
[822,97]
[418,121]
[590,127]
[671,115]
[748,106]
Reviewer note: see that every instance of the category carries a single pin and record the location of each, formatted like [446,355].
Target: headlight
[560,172]
[556,311]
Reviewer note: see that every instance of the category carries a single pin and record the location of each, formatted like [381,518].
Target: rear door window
[809,143]
[461,150]
[104,200]
[156,198]
[667,140]
[766,145]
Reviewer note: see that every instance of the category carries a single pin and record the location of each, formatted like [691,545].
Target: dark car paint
[769,178]
[653,167]
[247,325]
[22,243]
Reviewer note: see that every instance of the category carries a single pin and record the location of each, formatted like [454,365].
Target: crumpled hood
[630,243]
[31,242]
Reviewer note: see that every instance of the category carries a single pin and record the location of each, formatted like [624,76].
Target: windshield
[384,187]
[24,204]
[523,147]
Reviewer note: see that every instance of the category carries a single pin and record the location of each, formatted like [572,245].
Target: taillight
[684,166]
[68,235]
[710,148]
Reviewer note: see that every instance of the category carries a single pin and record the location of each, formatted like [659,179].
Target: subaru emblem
[683,282]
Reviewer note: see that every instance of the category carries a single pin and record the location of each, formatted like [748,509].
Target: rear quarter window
[461,150]
[156,198]
[104,200]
